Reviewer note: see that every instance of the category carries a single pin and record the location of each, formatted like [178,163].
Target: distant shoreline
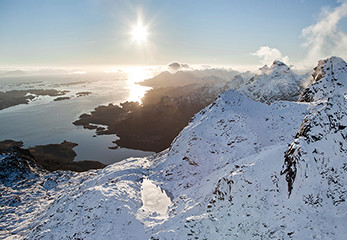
[16,97]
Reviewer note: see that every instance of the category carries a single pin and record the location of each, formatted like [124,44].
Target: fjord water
[44,121]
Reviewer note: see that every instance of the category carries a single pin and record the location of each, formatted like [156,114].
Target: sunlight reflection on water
[137,92]
[136,75]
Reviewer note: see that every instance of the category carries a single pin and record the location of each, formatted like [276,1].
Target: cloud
[267,55]
[323,38]
[175,66]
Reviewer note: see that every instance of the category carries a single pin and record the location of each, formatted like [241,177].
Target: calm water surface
[45,121]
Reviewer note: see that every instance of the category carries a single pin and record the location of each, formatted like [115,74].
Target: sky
[220,32]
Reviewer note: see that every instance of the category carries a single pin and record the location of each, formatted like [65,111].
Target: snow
[154,198]
[241,169]
[278,82]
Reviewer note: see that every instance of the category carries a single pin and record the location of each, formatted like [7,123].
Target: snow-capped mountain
[278,82]
[268,85]
[241,169]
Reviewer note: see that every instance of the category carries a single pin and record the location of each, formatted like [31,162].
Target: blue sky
[228,32]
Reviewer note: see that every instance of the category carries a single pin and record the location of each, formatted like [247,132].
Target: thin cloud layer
[324,39]
[267,55]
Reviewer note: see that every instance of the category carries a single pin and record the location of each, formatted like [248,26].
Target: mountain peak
[273,83]
[326,66]
[278,63]
[328,78]
[279,66]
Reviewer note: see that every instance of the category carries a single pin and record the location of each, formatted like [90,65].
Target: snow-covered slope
[241,169]
[62,205]
[26,191]
[231,128]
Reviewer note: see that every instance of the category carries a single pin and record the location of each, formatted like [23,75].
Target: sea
[44,121]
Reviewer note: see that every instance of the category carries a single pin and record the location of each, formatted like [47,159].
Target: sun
[139,33]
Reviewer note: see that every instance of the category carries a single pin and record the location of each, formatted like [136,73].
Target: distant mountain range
[269,84]
[12,73]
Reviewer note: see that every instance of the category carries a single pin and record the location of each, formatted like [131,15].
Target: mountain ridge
[241,169]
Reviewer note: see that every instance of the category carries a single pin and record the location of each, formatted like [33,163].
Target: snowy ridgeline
[241,169]
[268,84]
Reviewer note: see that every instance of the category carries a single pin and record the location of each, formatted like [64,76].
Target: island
[61,98]
[54,156]
[83,94]
[16,97]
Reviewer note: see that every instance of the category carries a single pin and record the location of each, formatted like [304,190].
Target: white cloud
[267,55]
[324,39]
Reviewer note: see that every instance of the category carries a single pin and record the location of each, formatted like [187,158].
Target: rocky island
[54,156]
[16,97]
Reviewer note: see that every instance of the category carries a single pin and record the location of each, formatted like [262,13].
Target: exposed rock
[6,144]
[324,80]
[18,165]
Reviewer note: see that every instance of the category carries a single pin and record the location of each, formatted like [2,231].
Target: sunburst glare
[139,33]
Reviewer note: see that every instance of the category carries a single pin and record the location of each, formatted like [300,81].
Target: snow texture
[241,169]
[278,82]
